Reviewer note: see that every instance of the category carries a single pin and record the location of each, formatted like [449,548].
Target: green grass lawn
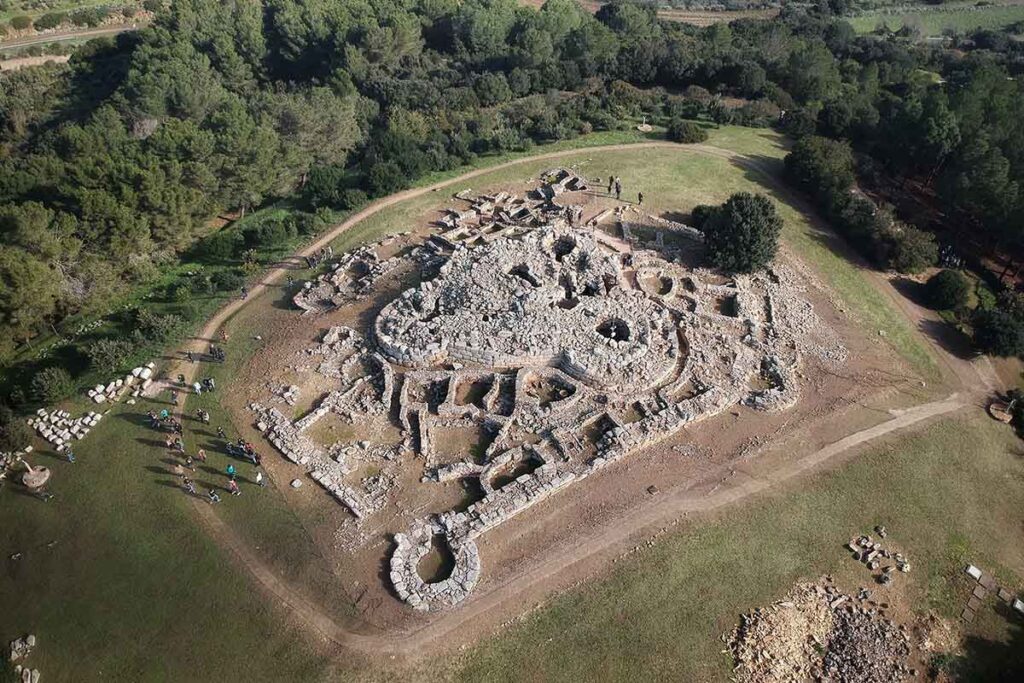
[934,20]
[133,588]
[949,495]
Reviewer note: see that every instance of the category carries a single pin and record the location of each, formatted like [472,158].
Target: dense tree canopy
[113,165]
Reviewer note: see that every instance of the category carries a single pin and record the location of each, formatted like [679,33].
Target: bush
[269,232]
[21,22]
[14,433]
[90,16]
[910,250]
[384,178]
[998,333]
[947,290]
[220,246]
[686,131]
[743,234]
[352,199]
[154,327]
[152,5]
[108,355]
[701,213]
[227,280]
[50,20]
[52,385]
[325,185]
[821,167]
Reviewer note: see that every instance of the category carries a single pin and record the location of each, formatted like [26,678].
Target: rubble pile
[59,429]
[20,649]
[819,633]
[863,647]
[349,279]
[134,383]
[783,642]
[878,558]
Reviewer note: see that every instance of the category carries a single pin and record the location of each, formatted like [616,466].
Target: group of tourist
[615,183]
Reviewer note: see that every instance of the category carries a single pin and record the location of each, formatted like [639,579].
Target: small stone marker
[296,483]
[967,615]
[980,592]
[1005,595]
[973,572]
[974,604]
[1018,606]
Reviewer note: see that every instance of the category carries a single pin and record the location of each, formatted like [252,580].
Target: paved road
[662,509]
[62,36]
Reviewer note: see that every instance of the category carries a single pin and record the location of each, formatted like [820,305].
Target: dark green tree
[742,235]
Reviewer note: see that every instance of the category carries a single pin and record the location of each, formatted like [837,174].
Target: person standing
[201,455]
[214,497]
[221,433]
[230,472]
[260,481]
[611,182]
[245,292]
[640,198]
[233,488]
[618,189]
[70,455]
[174,397]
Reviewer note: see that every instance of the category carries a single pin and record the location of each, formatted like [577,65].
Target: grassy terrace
[18,8]
[932,21]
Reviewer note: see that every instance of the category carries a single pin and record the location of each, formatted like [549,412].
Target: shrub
[152,5]
[108,355]
[821,167]
[269,232]
[14,433]
[686,131]
[21,22]
[384,178]
[52,385]
[220,246]
[910,250]
[947,290]
[701,213]
[352,198]
[325,185]
[50,20]
[998,333]
[90,16]
[156,327]
[743,234]
[227,280]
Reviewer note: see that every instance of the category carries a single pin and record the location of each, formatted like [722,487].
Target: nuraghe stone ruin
[570,348]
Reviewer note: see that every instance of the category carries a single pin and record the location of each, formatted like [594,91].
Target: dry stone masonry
[565,346]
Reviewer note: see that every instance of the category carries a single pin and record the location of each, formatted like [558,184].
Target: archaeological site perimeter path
[669,507]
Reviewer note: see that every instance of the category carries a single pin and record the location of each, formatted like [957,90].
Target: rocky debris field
[819,633]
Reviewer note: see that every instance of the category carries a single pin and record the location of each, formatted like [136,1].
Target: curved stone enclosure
[498,305]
